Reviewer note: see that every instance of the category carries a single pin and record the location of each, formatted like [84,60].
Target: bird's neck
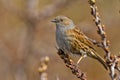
[64,28]
[60,31]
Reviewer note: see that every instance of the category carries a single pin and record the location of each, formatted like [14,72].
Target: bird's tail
[99,58]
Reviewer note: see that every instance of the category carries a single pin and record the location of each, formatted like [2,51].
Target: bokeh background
[27,35]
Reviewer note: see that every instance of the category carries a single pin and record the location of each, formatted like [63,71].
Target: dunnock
[71,40]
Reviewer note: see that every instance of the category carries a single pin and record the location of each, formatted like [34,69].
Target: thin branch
[70,64]
[111,61]
[43,67]
[101,28]
[95,42]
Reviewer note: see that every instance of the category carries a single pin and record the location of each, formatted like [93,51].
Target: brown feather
[79,36]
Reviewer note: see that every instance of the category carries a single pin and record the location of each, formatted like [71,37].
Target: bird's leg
[79,59]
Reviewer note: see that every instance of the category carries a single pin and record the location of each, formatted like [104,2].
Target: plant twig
[43,67]
[111,61]
[70,64]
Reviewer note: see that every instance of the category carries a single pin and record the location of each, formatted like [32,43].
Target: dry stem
[43,67]
[111,61]
[70,64]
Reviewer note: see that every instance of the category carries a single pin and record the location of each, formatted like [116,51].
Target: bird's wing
[80,36]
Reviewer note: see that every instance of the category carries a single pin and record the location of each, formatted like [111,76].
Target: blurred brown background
[26,35]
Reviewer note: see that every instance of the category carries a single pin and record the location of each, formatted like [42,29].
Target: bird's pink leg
[79,59]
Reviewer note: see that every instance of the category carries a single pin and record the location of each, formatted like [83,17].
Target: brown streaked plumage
[79,38]
[71,40]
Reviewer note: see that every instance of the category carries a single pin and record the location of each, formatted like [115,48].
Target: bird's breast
[61,40]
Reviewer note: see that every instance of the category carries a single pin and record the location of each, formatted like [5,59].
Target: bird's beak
[54,20]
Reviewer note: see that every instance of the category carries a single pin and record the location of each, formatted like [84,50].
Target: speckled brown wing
[79,40]
[82,37]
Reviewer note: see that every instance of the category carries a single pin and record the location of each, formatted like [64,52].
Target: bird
[71,39]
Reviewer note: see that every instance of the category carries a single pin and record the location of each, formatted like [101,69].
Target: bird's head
[63,22]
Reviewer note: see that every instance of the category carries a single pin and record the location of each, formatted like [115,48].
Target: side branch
[101,28]
[111,61]
[70,64]
[43,67]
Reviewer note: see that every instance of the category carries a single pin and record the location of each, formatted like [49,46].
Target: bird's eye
[61,20]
